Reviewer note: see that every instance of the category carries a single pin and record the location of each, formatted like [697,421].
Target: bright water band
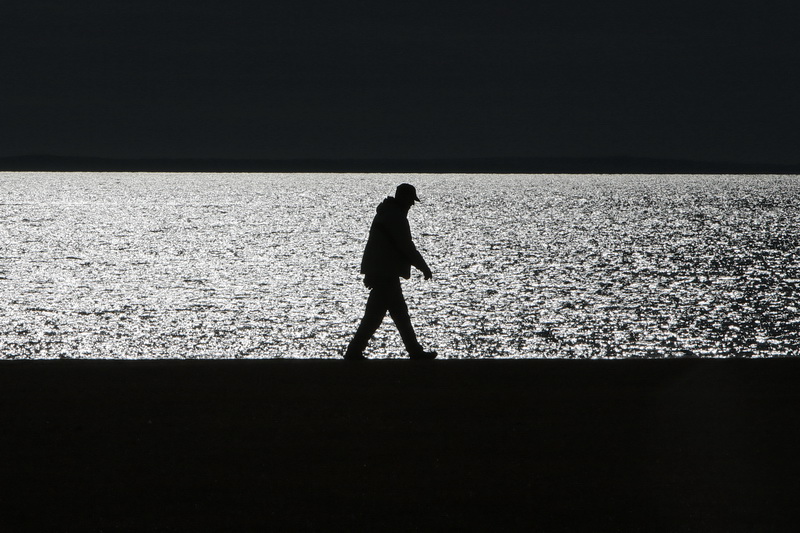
[126,265]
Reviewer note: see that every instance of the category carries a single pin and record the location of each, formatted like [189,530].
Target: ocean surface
[158,265]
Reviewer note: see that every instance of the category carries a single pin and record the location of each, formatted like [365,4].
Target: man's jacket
[390,250]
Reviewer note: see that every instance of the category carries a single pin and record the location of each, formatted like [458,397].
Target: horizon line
[517,165]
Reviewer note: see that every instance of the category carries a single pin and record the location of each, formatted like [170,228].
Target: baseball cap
[406,190]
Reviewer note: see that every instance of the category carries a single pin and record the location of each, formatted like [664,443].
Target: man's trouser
[385,295]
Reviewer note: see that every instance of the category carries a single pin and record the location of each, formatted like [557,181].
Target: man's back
[390,251]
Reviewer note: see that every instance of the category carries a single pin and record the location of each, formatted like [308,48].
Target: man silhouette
[389,255]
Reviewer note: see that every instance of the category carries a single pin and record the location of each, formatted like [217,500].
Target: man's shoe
[354,356]
[422,355]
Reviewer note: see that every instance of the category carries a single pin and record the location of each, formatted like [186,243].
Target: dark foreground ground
[677,445]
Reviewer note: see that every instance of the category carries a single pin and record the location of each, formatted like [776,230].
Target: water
[140,265]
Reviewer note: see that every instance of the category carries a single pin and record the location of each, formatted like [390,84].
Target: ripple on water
[265,265]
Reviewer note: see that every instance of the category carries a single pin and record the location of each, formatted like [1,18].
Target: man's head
[406,194]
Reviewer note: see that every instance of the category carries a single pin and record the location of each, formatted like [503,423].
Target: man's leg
[399,312]
[373,316]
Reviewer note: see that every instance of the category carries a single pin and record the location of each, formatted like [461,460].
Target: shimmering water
[126,265]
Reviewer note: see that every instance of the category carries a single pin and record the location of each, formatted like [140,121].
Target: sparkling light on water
[128,265]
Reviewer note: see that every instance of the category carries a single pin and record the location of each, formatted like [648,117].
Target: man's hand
[427,272]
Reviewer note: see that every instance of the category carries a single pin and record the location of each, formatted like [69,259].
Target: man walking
[389,255]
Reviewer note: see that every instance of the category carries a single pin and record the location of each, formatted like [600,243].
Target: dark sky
[713,81]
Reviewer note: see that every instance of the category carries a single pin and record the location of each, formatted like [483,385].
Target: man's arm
[401,235]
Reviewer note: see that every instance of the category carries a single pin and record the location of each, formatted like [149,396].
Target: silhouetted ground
[659,445]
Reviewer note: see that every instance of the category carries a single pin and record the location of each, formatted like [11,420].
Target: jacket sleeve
[400,233]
